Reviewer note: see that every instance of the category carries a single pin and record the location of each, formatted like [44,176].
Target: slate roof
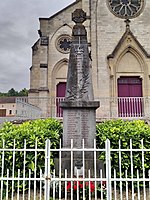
[72,4]
[7,99]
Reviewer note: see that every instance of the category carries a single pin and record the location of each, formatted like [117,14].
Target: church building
[119,51]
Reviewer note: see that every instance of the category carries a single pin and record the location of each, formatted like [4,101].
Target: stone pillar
[79,107]
[43,90]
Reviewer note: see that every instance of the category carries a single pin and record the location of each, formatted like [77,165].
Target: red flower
[68,186]
[92,186]
[75,187]
[81,185]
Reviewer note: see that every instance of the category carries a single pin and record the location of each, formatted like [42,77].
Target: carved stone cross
[79,16]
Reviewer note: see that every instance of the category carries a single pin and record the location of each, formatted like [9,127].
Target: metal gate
[28,173]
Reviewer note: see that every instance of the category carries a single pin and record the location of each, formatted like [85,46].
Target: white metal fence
[27,110]
[27,173]
[110,107]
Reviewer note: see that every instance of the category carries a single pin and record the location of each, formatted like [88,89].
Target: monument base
[79,132]
[77,165]
[79,122]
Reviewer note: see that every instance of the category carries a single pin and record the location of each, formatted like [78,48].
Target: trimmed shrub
[126,131]
[29,135]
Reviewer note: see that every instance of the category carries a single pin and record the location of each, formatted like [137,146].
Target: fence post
[108,170]
[47,170]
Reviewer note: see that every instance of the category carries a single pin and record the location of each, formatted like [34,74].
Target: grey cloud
[19,24]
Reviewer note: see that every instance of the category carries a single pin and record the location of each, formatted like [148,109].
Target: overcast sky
[19,22]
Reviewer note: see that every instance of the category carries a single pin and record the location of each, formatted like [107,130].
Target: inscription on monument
[72,118]
[72,129]
[78,126]
[84,124]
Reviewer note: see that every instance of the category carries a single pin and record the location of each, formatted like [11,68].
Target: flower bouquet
[88,187]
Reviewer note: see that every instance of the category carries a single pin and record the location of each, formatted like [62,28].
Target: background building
[120,52]
[7,106]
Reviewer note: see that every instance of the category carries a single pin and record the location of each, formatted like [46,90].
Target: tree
[12,92]
[23,92]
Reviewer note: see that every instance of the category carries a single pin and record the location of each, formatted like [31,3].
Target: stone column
[79,107]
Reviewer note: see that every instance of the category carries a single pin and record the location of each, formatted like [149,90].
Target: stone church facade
[120,58]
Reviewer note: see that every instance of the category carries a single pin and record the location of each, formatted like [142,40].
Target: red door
[60,94]
[2,112]
[130,92]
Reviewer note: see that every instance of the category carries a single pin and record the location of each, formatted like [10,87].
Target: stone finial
[79,16]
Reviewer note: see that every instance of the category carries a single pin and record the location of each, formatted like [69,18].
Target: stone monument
[79,107]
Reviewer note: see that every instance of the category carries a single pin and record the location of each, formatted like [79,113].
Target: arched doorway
[130,102]
[129,62]
[58,85]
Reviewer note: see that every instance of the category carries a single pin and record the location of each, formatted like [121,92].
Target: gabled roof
[7,99]
[125,35]
[59,12]
[35,44]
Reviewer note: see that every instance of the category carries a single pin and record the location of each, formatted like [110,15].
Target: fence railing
[27,110]
[130,107]
[114,107]
[27,172]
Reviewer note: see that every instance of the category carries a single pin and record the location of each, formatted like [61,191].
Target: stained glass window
[126,8]
[63,43]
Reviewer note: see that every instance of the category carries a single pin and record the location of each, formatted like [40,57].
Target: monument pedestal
[89,164]
[79,125]
[79,122]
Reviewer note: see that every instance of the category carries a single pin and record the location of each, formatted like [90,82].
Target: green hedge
[125,131]
[31,132]
[40,130]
